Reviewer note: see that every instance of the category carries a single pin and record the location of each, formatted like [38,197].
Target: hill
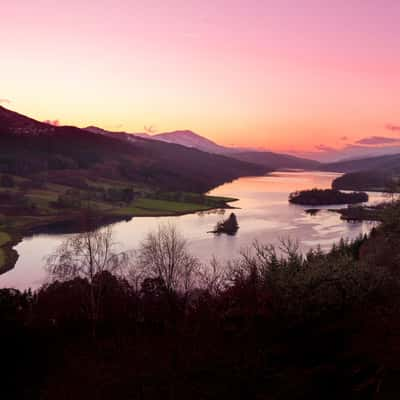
[190,139]
[276,160]
[54,176]
[185,138]
[386,162]
[370,180]
[371,174]
[31,147]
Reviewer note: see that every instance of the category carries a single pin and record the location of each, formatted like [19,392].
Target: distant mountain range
[190,139]
[369,173]
[185,138]
[66,153]
[374,174]
[277,160]
[179,160]
[385,162]
[348,152]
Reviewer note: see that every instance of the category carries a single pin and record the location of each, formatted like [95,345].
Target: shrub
[7,181]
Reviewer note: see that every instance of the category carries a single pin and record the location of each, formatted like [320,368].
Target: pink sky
[284,75]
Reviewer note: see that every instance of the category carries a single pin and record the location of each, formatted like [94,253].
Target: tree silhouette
[163,255]
[87,256]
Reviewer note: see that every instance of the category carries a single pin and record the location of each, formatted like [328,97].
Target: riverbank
[8,256]
[14,229]
[262,210]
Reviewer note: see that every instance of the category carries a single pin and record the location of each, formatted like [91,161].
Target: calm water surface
[264,214]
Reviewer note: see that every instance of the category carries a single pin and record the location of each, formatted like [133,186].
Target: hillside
[370,180]
[371,174]
[30,147]
[190,139]
[386,162]
[55,175]
[185,138]
[276,160]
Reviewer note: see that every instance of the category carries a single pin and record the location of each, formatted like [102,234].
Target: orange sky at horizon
[280,75]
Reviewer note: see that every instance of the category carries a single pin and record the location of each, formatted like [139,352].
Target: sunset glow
[282,75]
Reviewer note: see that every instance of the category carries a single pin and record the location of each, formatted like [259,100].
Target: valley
[52,177]
[200,200]
[262,210]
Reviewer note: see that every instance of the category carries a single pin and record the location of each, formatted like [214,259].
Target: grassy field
[149,203]
[4,238]
[2,258]
[154,207]
[28,206]
[170,206]
[222,199]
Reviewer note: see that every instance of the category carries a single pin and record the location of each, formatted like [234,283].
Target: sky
[298,75]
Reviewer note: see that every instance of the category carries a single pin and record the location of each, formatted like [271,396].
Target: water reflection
[263,213]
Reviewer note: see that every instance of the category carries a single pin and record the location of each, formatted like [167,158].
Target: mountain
[185,138]
[348,152]
[29,147]
[387,162]
[128,136]
[373,174]
[189,139]
[370,180]
[276,160]
[19,125]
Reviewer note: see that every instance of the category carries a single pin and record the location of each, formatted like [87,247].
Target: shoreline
[71,224]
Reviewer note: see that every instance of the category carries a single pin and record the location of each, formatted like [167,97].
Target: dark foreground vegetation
[324,197]
[158,325]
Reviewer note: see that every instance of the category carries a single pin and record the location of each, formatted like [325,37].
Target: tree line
[157,323]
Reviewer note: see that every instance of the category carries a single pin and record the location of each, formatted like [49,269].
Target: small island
[362,213]
[229,226]
[312,211]
[325,197]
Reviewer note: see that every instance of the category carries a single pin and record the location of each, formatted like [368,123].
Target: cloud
[395,128]
[376,140]
[322,147]
[5,101]
[55,122]
[344,138]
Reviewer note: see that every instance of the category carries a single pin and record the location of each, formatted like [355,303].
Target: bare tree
[213,277]
[87,256]
[164,255]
